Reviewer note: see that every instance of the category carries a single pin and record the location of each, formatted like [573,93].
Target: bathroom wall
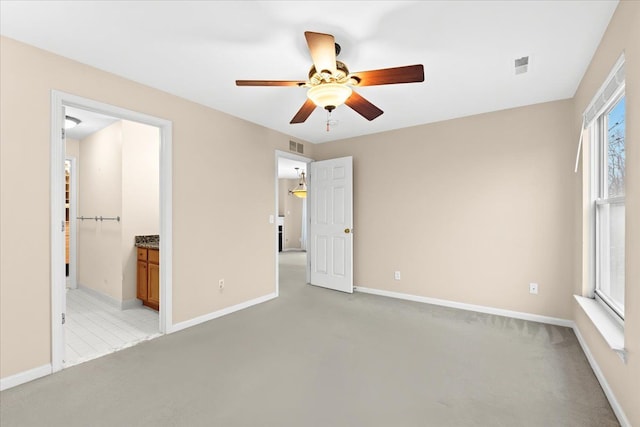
[72,148]
[140,195]
[119,176]
[100,193]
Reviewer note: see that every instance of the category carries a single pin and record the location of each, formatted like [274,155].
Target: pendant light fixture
[301,189]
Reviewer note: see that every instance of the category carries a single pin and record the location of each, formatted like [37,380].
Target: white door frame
[73,213]
[58,101]
[307,160]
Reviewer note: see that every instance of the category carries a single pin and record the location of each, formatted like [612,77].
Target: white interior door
[331,223]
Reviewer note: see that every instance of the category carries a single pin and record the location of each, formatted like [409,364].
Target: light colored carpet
[315,357]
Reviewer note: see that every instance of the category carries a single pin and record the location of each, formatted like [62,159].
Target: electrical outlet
[396,275]
[221,284]
[533,288]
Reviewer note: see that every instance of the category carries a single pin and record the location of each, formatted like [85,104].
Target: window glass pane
[611,251]
[615,150]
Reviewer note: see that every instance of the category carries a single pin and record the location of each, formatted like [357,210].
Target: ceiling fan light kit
[332,85]
[329,95]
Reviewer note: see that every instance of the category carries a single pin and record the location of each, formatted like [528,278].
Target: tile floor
[94,328]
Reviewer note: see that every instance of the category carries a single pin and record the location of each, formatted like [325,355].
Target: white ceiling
[287,168]
[197,49]
[90,122]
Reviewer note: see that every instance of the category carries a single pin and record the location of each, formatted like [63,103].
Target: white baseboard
[617,409]
[469,307]
[25,376]
[214,315]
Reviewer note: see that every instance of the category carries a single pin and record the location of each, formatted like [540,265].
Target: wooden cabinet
[142,281]
[153,296]
[148,286]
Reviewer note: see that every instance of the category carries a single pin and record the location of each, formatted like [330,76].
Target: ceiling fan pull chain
[328,119]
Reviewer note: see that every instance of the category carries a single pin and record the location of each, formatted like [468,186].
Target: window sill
[610,330]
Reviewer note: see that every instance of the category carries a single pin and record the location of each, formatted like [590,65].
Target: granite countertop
[148,242]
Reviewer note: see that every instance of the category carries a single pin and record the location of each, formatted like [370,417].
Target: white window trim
[609,328]
[608,322]
[598,185]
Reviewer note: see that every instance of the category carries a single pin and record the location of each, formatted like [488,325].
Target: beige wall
[100,194]
[469,210]
[119,176]
[208,237]
[140,195]
[72,148]
[622,35]
[283,191]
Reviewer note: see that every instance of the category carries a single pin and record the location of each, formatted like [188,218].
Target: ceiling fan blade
[304,112]
[268,83]
[323,51]
[363,107]
[388,76]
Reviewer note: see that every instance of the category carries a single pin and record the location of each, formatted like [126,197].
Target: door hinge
[63,319]
[62,226]
[63,133]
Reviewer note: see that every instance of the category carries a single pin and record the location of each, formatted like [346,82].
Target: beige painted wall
[100,242]
[72,148]
[283,191]
[208,237]
[292,211]
[120,176]
[469,210]
[140,195]
[622,35]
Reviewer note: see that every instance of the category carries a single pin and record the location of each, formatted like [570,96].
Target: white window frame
[598,174]
[609,324]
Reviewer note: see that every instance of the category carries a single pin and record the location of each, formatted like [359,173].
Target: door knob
[347,230]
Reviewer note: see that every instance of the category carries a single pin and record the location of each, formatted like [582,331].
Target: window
[608,198]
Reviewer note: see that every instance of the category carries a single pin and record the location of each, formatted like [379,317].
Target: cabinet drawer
[142,254]
[154,256]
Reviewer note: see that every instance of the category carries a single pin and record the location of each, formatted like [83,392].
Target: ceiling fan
[331,84]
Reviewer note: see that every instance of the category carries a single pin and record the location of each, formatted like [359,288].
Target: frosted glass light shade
[329,94]
[302,193]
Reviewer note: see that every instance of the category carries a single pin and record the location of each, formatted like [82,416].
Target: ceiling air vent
[522,65]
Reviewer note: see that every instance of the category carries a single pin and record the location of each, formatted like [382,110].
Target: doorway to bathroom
[115,170]
[114,196]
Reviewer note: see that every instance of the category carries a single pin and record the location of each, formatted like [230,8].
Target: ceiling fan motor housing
[341,75]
